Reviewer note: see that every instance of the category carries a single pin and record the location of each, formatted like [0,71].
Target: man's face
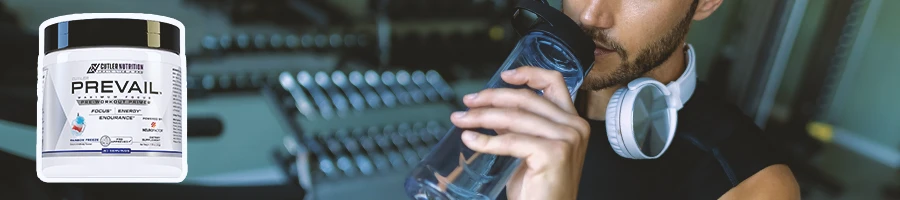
[632,36]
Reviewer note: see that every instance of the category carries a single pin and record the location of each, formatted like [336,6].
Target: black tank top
[715,147]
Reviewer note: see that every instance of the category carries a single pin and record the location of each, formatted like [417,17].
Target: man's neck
[665,73]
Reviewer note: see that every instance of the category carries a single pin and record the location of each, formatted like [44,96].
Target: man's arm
[773,182]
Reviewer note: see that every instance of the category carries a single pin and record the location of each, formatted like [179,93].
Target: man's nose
[599,13]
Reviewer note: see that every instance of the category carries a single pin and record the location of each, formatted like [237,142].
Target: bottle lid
[537,15]
[112,33]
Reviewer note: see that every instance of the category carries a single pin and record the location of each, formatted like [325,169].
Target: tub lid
[112,33]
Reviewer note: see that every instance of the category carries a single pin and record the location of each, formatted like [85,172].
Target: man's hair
[693,8]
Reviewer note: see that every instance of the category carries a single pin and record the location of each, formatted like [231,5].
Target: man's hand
[545,131]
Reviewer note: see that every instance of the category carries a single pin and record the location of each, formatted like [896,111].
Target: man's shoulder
[706,103]
[724,131]
[708,118]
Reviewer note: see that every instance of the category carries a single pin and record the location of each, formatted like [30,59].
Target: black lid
[112,32]
[537,15]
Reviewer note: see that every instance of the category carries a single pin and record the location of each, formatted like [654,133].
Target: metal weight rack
[358,129]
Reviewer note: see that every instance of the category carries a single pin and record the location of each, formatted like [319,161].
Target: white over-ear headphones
[641,118]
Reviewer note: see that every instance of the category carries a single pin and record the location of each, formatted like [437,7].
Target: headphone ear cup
[612,122]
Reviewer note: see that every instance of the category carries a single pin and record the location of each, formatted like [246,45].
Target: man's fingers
[524,99]
[550,82]
[515,120]
[534,150]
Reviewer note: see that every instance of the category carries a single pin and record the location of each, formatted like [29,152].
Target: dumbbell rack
[273,42]
[366,152]
[200,85]
[324,149]
[409,48]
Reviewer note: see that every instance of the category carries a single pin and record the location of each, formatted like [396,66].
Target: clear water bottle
[453,171]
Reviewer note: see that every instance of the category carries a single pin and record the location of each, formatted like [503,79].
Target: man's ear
[705,8]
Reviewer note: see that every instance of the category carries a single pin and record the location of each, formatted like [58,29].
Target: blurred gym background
[380,78]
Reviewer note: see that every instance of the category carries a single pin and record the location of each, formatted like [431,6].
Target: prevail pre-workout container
[111,99]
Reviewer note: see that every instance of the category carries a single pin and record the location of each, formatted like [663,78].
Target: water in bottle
[452,170]
[550,40]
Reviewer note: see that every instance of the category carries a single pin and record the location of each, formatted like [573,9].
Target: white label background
[161,75]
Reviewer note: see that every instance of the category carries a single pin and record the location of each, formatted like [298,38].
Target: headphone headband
[683,87]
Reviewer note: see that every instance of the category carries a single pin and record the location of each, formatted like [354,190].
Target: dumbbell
[378,158]
[338,99]
[412,138]
[390,81]
[392,153]
[436,130]
[224,82]
[335,41]
[356,99]
[216,82]
[356,82]
[398,140]
[437,82]
[418,79]
[208,82]
[260,79]
[419,129]
[195,87]
[276,41]
[410,156]
[363,162]
[351,41]
[383,140]
[404,79]
[343,159]
[220,43]
[292,42]
[243,42]
[302,102]
[318,96]
[242,81]
[321,41]
[373,79]
[260,42]
[325,162]
[210,43]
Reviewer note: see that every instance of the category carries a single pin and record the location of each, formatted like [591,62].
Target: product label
[112,108]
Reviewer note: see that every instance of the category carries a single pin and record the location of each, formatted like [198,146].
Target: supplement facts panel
[177,98]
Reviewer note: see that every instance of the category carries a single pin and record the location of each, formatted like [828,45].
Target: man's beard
[647,59]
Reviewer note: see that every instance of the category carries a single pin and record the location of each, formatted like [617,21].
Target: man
[717,152]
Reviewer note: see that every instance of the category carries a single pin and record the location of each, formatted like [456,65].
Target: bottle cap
[537,15]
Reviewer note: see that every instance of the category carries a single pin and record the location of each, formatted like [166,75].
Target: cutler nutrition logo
[116,68]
